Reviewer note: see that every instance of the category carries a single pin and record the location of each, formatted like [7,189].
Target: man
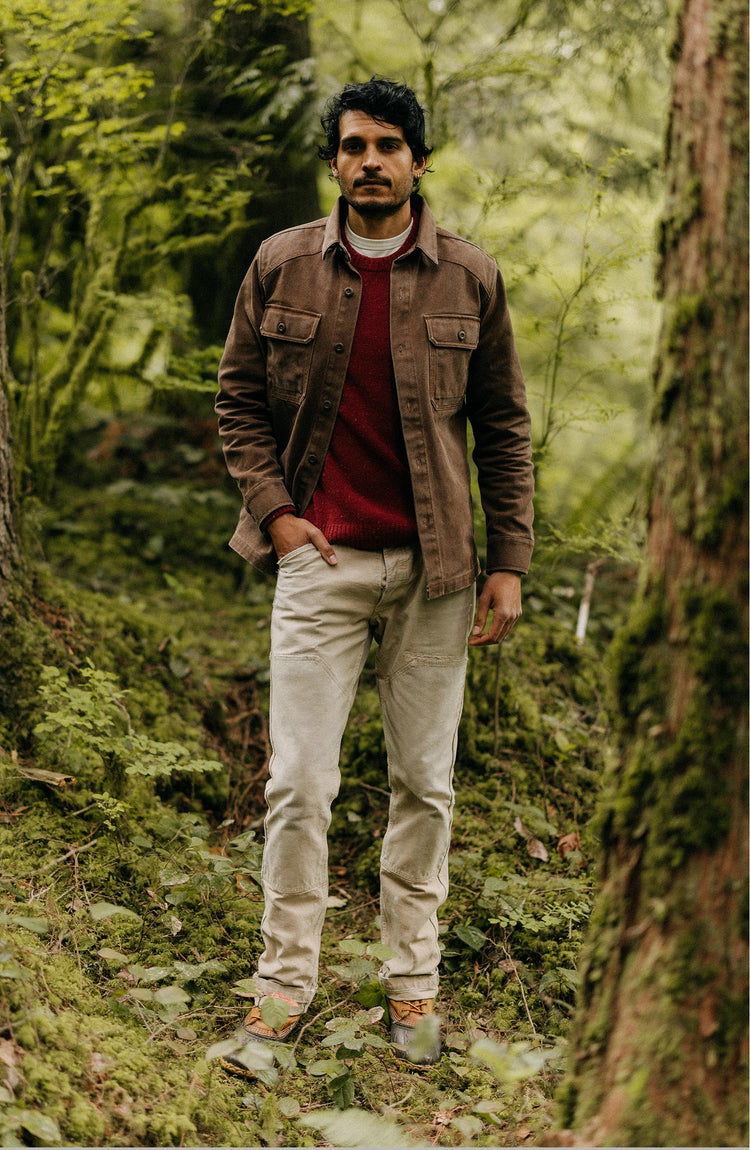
[359,347]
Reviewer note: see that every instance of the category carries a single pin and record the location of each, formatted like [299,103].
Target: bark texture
[659,1049]
[8,544]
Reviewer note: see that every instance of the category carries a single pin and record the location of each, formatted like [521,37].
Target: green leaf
[426,1037]
[371,994]
[274,1012]
[100,910]
[327,1067]
[289,1107]
[142,994]
[35,925]
[112,955]
[355,1127]
[346,1038]
[169,995]
[245,988]
[259,1060]
[352,946]
[149,973]
[380,951]
[510,1063]
[219,1049]
[471,936]
[39,1126]
[341,1090]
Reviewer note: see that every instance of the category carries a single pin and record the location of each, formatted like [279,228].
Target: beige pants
[324,619]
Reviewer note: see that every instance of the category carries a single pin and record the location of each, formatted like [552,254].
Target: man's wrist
[274,515]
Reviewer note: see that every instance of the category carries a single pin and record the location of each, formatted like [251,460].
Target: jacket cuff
[267,498]
[265,523]
[506,553]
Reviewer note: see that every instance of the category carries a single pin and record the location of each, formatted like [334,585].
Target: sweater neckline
[382,263]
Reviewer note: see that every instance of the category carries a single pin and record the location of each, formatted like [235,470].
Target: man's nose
[371,159]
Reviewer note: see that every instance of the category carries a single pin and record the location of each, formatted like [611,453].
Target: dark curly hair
[384,100]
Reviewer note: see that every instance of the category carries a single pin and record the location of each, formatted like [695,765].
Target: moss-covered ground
[131,781]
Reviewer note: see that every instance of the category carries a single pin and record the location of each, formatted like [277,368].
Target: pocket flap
[453,330]
[289,323]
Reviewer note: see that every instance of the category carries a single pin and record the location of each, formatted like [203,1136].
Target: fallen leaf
[441,1118]
[39,775]
[568,843]
[537,849]
[8,1052]
[522,830]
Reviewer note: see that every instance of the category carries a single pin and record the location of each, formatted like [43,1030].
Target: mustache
[364,180]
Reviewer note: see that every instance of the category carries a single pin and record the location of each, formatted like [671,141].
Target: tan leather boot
[254,1029]
[405,1015]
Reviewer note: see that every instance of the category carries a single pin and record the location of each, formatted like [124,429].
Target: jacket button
[462,336]
[348,292]
[327,405]
[281,328]
[312,459]
[339,347]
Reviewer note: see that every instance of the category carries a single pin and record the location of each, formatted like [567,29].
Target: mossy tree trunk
[8,545]
[659,1048]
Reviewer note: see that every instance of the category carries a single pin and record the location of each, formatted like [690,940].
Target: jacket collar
[426,239]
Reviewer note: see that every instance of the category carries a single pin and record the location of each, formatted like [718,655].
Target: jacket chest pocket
[452,339]
[290,341]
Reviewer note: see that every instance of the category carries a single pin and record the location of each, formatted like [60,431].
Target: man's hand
[501,594]
[288,532]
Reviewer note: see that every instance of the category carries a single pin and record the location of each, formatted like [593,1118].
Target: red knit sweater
[364,496]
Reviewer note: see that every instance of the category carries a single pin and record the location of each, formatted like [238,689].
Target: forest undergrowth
[133,755]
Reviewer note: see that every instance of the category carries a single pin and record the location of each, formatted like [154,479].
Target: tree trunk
[8,545]
[659,1045]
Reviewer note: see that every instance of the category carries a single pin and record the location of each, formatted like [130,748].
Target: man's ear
[334,170]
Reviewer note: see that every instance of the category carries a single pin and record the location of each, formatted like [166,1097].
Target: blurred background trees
[148,148]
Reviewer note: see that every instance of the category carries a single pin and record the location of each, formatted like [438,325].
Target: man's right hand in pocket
[289,532]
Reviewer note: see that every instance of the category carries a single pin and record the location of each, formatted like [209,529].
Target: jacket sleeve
[245,422]
[499,417]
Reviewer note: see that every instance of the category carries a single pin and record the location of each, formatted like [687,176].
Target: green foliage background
[145,151]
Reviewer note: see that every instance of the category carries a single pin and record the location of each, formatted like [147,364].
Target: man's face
[374,165]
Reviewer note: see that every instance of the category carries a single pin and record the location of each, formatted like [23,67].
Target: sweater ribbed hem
[367,537]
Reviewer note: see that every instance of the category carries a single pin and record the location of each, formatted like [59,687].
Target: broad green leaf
[346,1038]
[274,1012]
[112,955]
[41,1127]
[100,910]
[371,994]
[150,973]
[167,995]
[219,1049]
[35,925]
[192,971]
[354,1127]
[142,994]
[375,1040]
[510,1063]
[289,1107]
[245,988]
[471,936]
[426,1037]
[467,1125]
[341,1090]
[327,1066]
[259,1059]
[380,951]
[352,946]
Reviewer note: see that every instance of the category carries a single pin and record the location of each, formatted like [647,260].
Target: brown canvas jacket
[454,358]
